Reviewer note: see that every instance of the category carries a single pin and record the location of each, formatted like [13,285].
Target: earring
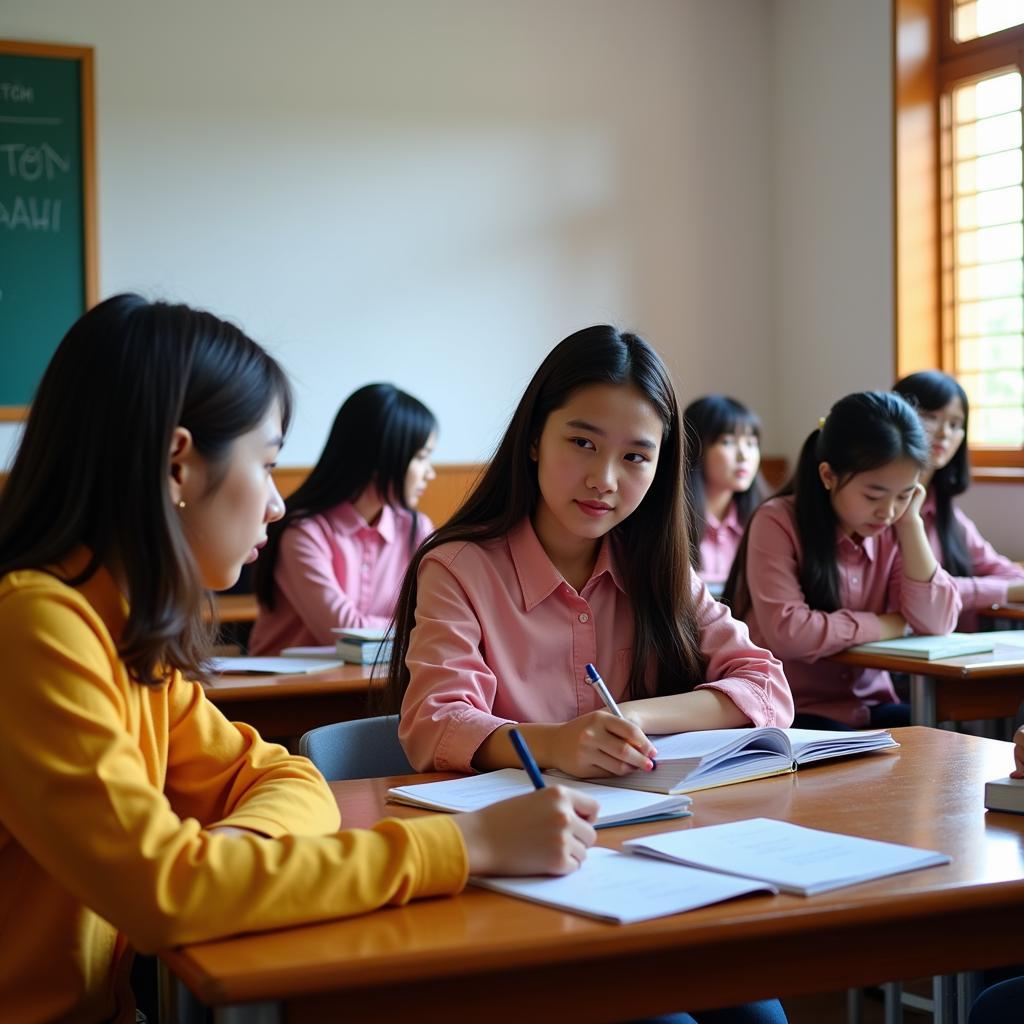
[181,504]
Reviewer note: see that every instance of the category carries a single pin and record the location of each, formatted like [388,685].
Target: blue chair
[362,749]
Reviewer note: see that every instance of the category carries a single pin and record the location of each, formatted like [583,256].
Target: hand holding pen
[595,680]
[597,745]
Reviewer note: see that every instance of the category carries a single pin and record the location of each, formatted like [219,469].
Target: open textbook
[273,665]
[616,806]
[689,761]
[711,864]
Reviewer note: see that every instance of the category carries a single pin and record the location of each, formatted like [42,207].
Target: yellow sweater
[106,790]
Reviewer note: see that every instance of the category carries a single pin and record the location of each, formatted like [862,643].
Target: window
[960,211]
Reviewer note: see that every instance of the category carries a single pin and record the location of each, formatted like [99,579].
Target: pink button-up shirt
[991,573]
[719,544]
[501,637]
[334,569]
[871,582]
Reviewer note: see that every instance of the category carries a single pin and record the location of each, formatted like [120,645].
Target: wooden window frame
[926,60]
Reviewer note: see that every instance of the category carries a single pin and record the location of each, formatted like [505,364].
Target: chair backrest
[361,749]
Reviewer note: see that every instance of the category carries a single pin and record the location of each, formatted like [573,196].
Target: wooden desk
[290,705]
[236,607]
[987,685]
[481,956]
[1012,611]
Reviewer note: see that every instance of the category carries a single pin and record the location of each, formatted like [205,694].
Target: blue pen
[595,680]
[523,751]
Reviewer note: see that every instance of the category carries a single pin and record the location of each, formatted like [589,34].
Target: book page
[273,665]
[476,791]
[796,859]
[617,887]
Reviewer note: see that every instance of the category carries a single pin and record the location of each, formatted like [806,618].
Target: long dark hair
[93,465]
[652,543]
[705,421]
[863,431]
[375,435]
[930,391]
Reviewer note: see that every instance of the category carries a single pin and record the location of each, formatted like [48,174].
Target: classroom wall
[437,192]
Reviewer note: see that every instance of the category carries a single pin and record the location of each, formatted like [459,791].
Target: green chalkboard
[47,234]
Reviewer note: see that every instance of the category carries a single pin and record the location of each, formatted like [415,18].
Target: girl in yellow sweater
[132,813]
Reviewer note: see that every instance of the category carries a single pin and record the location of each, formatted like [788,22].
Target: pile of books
[363,646]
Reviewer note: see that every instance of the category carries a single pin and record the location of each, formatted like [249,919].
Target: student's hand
[599,744]
[546,832]
[893,626]
[1018,754]
[912,513]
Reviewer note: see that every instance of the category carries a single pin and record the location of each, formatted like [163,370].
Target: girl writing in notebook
[840,557]
[723,482]
[572,549]
[132,813]
[983,577]
[337,557]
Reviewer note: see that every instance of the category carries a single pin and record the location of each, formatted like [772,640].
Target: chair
[361,749]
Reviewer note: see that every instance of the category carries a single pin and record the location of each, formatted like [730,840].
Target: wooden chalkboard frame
[84,56]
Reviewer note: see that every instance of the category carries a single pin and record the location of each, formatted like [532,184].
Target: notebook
[621,888]
[272,666]
[617,806]
[690,761]
[363,646]
[931,648]
[794,859]
[1005,795]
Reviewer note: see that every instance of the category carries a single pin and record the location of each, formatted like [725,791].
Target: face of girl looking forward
[596,459]
[731,463]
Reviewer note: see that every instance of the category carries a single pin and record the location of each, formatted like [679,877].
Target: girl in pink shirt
[573,549]
[982,576]
[723,480]
[840,557]
[338,556]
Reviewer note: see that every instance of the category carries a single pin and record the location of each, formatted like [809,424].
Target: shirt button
[855,579]
[584,617]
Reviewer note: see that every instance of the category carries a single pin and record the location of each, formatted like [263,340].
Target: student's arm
[745,683]
[923,592]
[448,722]
[994,579]
[791,628]
[305,574]
[223,774]
[80,795]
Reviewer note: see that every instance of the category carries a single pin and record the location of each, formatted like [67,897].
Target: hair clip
[821,422]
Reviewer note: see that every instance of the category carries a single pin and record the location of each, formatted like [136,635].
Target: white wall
[436,192]
[832,205]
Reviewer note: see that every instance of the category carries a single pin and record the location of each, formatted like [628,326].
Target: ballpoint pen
[595,680]
[523,752]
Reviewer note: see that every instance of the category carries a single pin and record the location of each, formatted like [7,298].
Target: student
[723,481]
[840,557]
[132,813]
[982,576]
[573,549]
[338,556]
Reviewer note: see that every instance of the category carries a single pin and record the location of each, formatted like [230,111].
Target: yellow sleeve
[223,773]
[77,794]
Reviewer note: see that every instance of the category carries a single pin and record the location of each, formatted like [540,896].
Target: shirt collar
[848,546]
[730,521]
[537,575]
[349,521]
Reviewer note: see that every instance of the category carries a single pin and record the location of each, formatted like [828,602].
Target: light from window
[974,18]
[984,253]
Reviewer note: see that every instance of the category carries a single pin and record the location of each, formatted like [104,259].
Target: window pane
[983,273]
[973,18]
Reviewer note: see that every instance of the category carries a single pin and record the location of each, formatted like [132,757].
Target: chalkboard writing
[46,208]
